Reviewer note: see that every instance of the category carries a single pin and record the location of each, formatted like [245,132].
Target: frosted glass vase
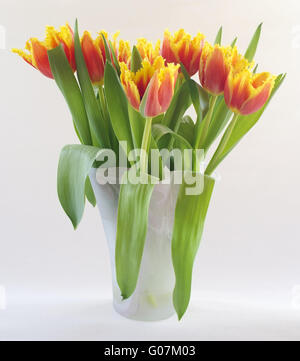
[152,298]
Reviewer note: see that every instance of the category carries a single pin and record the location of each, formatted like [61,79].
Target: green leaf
[187,129]
[234,42]
[251,50]
[172,119]
[107,51]
[218,38]
[89,193]
[235,132]
[132,227]
[74,165]
[98,123]
[160,130]
[220,118]
[189,220]
[117,106]
[68,85]
[136,60]
[116,63]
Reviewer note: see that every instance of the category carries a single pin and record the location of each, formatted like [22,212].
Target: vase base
[144,315]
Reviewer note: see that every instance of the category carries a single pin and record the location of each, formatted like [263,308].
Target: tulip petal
[152,105]
[255,103]
[40,58]
[215,72]
[93,58]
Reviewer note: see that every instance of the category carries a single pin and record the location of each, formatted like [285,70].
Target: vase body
[152,298]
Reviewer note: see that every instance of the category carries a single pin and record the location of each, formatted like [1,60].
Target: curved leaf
[89,193]
[132,226]
[187,129]
[74,165]
[160,130]
[189,220]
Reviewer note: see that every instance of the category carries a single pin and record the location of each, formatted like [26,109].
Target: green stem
[203,130]
[145,145]
[216,159]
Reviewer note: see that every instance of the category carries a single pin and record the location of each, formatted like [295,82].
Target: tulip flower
[36,50]
[215,64]
[181,48]
[155,82]
[122,49]
[94,56]
[245,93]
[146,49]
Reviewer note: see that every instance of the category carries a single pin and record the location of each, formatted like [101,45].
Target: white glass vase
[152,298]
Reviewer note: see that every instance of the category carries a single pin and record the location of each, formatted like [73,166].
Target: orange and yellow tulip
[181,48]
[215,64]
[147,50]
[94,56]
[159,81]
[245,93]
[35,52]
[121,49]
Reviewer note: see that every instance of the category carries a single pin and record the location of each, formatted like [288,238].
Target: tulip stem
[218,155]
[203,130]
[145,145]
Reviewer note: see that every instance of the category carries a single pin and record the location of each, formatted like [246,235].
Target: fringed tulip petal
[35,52]
[246,93]
[216,62]
[154,81]
[147,51]
[181,48]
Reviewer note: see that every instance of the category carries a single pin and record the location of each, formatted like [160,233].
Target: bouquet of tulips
[125,99]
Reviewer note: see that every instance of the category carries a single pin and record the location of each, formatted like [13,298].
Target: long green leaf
[117,106]
[68,85]
[74,165]
[237,132]
[98,123]
[132,226]
[189,220]
[251,50]
[172,119]
[89,193]
[220,118]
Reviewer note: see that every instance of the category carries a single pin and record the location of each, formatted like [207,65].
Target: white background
[58,281]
